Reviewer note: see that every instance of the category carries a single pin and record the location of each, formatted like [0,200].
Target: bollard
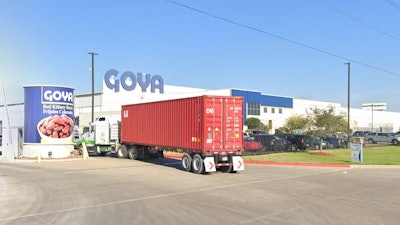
[39,157]
[85,152]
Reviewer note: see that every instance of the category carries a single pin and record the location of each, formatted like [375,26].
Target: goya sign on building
[49,114]
[129,81]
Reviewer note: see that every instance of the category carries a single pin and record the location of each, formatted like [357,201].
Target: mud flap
[238,163]
[209,164]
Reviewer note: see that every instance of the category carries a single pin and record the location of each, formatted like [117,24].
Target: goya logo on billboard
[57,95]
[129,81]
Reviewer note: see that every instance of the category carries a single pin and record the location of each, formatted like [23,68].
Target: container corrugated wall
[199,124]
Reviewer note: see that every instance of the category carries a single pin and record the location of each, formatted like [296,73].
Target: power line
[360,21]
[394,4]
[283,38]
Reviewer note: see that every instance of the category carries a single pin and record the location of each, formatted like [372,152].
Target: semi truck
[207,130]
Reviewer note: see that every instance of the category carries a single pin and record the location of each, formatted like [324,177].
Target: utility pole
[348,104]
[93,54]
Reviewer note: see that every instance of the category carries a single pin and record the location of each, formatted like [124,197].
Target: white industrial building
[270,109]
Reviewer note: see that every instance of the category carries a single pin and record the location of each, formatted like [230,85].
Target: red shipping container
[204,124]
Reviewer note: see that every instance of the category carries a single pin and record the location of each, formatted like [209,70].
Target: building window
[253,108]
[280,111]
[272,110]
[265,110]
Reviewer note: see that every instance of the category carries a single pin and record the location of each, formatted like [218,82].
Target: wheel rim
[196,164]
[122,152]
[185,162]
[133,153]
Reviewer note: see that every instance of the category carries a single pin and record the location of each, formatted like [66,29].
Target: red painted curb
[298,164]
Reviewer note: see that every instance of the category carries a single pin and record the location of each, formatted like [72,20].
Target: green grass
[379,155]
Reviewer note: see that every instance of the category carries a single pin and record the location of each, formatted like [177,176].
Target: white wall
[360,119]
[11,140]
[302,106]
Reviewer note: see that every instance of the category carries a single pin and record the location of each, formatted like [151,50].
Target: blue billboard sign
[49,114]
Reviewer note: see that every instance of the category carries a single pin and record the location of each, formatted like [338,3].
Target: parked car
[282,144]
[297,141]
[360,133]
[260,132]
[266,140]
[336,142]
[273,143]
[247,134]
[315,142]
[383,137]
[252,145]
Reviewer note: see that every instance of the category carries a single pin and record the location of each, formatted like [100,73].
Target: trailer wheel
[198,164]
[187,162]
[122,152]
[133,152]
[227,169]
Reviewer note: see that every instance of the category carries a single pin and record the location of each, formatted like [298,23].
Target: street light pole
[93,54]
[348,104]
[376,106]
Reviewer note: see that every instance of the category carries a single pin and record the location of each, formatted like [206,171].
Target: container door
[223,123]
[233,123]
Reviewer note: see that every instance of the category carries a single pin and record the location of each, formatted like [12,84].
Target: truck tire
[198,164]
[227,169]
[133,152]
[122,152]
[395,142]
[80,149]
[371,141]
[187,162]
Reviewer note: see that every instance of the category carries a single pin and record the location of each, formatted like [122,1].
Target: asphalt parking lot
[106,190]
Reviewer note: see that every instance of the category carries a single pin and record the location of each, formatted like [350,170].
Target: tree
[327,121]
[254,123]
[296,122]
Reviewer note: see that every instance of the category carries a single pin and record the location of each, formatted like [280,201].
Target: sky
[285,48]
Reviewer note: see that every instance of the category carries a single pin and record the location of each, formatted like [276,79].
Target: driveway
[105,190]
